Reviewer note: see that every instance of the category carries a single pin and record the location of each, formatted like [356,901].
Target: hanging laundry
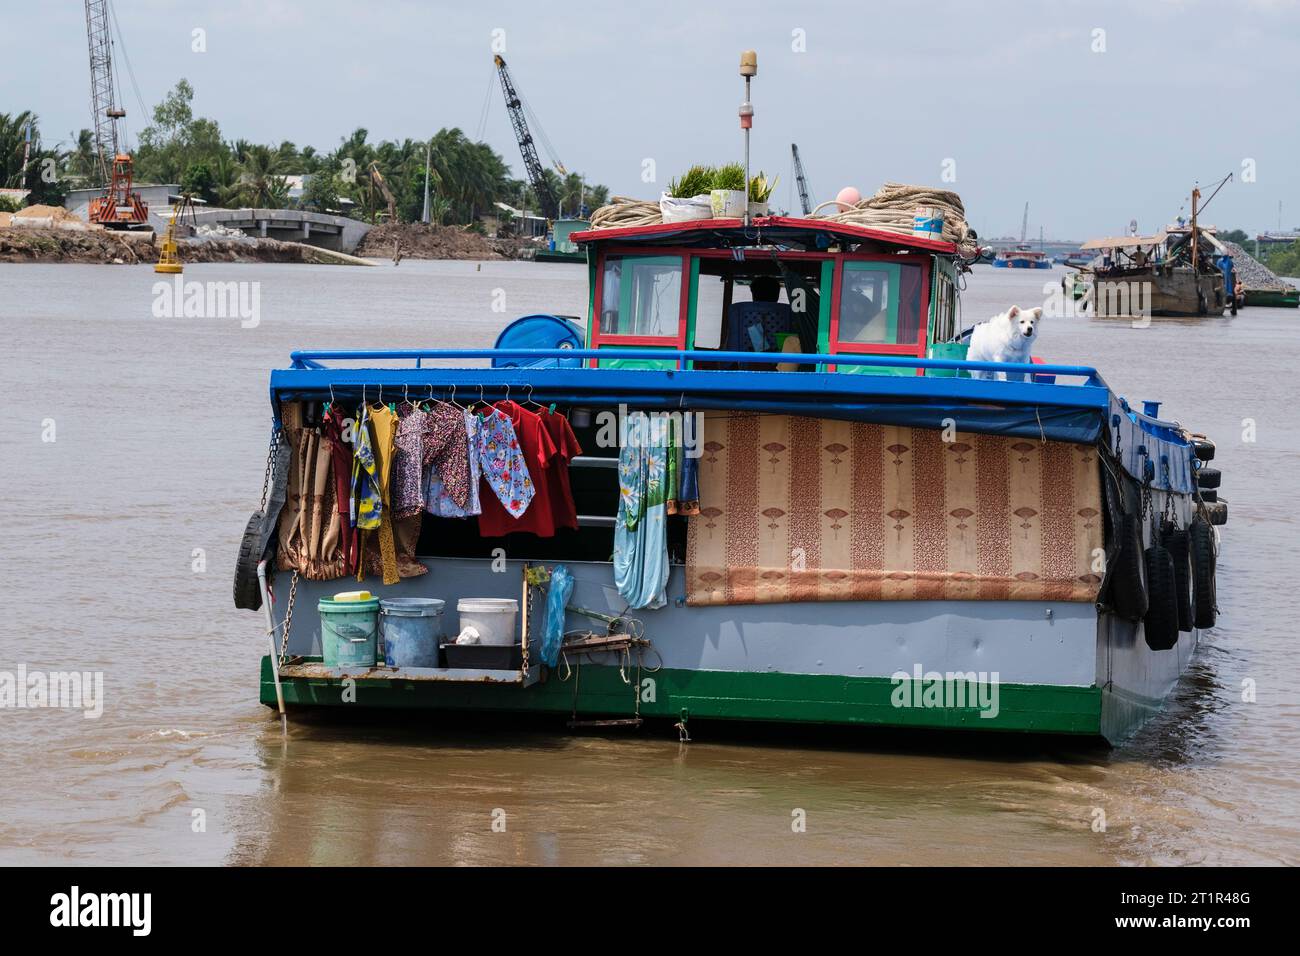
[446,449]
[309,527]
[376,507]
[563,510]
[527,506]
[688,494]
[505,471]
[641,529]
[407,489]
[672,480]
[438,500]
[366,500]
[406,534]
[334,429]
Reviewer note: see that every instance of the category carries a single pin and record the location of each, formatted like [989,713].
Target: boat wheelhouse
[868,536]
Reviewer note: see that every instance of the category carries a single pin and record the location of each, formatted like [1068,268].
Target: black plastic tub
[489,657]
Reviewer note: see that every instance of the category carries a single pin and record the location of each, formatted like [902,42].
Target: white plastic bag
[685,210]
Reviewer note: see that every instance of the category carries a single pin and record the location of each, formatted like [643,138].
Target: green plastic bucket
[348,632]
[955,351]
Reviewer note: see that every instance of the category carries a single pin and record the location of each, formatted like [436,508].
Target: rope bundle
[894,205]
[892,209]
[622,212]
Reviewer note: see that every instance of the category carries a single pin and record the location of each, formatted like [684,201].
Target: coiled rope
[622,211]
[894,205]
[892,209]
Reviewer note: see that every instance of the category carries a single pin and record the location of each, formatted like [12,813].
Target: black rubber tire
[1160,625]
[1209,494]
[248,596]
[1175,542]
[1204,448]
[1201,541]
[1128,590]
[1218,511]
[1209,478]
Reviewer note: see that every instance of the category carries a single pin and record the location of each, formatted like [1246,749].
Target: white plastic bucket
[493,619]
[727,203]
[927,223]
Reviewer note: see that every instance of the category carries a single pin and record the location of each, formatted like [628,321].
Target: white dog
[1008,337]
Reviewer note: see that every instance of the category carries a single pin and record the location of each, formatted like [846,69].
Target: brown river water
[119,554]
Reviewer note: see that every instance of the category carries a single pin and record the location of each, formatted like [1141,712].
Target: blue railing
[312,359]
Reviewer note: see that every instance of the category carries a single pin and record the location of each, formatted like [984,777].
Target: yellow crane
[169,260]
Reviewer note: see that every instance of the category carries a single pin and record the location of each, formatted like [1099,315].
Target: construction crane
[801,181]
[532,165]
[377,181]
[1024,225]
[119,207]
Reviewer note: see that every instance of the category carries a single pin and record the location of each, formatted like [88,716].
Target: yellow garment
[384,425]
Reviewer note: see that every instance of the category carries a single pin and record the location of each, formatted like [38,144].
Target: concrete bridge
[338,233]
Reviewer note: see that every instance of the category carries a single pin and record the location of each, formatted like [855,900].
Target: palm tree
[83,160]
[13,138]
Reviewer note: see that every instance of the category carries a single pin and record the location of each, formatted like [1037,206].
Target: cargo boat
[1022,257]
[883,537]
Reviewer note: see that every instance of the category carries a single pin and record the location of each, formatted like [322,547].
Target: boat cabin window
[757,306]
[641,296]
[880,304]
[945,310]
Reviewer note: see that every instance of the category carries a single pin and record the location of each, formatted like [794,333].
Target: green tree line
[465,177]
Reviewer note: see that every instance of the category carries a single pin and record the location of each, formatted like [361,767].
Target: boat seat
[754,326]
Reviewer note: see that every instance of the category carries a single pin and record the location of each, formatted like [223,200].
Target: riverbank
[109,247]
[418,240]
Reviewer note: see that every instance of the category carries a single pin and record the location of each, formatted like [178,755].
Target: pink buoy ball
[848,197]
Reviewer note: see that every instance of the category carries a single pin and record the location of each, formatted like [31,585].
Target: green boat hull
[717,695]
[1274,300]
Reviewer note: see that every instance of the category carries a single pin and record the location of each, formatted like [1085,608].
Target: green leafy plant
[730,176]
[760,188]
[694,182]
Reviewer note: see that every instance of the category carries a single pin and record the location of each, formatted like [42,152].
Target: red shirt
[567,447]
[538,449]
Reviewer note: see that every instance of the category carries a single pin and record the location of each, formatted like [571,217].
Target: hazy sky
[1015,94]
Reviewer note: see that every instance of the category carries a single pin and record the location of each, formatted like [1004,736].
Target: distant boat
[1022,257]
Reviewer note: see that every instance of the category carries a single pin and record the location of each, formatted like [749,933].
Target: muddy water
[119,542]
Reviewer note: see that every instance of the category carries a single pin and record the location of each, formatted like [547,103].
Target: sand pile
[425,241]
[56,213]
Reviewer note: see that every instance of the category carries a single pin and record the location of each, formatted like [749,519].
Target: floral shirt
[502,462]
[438,500]
[367,503]
[407,489]
[446,450]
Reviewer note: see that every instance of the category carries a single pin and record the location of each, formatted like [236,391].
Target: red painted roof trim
[760,222]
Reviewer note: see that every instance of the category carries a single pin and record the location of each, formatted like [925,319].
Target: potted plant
[760,191]
[688,197]
[728,193]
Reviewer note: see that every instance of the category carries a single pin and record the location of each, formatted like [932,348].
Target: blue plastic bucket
[412,629]
[348,632]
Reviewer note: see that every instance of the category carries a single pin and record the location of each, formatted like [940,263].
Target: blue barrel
[412,629]
[348,632]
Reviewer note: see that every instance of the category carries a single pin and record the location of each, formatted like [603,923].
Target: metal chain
[288,618]
[270,464]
